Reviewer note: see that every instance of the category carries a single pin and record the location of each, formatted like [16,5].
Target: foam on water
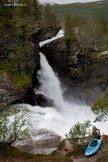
[64,115]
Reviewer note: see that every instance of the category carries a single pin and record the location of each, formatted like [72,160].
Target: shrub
[100,107]
[78,136]
[12,125]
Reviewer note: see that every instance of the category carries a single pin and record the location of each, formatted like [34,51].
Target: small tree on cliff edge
[77,135]
[69,28]
[50,19]
[100,107]
[12,125]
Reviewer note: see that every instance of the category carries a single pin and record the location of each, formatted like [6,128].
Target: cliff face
[83,70]
[18,67]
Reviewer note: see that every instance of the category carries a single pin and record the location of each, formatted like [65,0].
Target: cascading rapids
[64,115]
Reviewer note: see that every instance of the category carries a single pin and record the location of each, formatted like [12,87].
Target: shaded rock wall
[18,67]
[83,70]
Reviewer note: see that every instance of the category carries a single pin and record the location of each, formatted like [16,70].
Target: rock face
[18,67]
[44,101]
[84,70]
[42,35]
[8,93]
[43,146]
[35,99]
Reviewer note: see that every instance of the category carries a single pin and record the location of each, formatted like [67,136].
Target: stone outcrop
[84,70]
[18,67]
[8,93]
[44,101]
[35,99]
[42,146]
[41,35]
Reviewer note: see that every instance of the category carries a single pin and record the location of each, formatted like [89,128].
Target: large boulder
[42,146]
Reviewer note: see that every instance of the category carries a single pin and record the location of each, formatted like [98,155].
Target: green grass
[104,45]
[61,145]
[14,153]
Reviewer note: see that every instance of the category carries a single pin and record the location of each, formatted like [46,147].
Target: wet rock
[35,99]
[42,146]
[82,69]
[8,92]
[44,101]
[29,97]
[42,34]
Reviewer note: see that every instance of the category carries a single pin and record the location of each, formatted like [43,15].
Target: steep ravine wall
[83,70]
[18,71]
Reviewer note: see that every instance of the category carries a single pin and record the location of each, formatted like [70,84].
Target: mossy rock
[21,79]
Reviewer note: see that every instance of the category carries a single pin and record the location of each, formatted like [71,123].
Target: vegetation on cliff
[99,9]
[77,136]
[50,20]
[100,107]
[12,125]
[19,55]
[86,33]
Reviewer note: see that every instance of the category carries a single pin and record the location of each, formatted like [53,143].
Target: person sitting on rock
[95,132]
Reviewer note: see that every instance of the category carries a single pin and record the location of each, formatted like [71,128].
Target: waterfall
[61,117]
[50,84]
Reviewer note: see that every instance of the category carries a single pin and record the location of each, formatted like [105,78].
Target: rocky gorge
[46,146]
[16,87]
[83,69]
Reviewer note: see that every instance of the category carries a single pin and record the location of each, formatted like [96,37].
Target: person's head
[93,127]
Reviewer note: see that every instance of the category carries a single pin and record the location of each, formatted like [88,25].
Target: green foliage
[98,27]
[104,39]
[12,125]
[72,24]
[13,153]
[21,79]
[79,130]
[69,28]
[100,107]
[85,9]
[77,136]
[61,145]
[50,18]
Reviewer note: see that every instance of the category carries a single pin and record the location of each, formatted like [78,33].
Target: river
[61,117]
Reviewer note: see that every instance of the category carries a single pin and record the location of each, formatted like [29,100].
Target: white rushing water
[64,115]
[59,35]
[50,85]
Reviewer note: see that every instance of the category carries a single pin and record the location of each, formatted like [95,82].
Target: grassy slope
[12,154]
[85,9]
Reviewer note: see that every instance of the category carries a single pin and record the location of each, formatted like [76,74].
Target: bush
[100,107]
[12,125]
[78,136]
